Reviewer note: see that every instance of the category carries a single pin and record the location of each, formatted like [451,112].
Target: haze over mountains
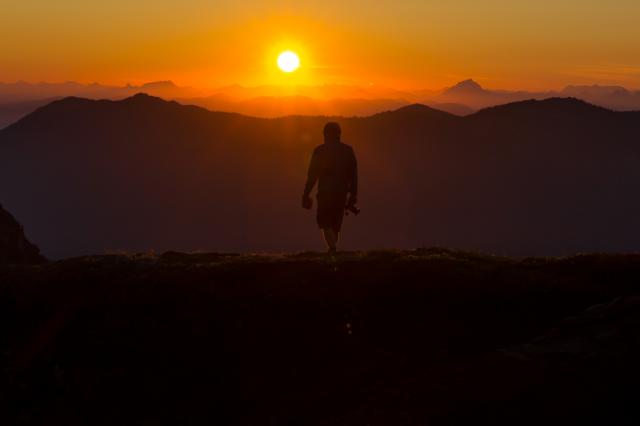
[19,99]
[470,93]
[533,177]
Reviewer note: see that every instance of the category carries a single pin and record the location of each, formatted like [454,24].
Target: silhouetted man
[334,167]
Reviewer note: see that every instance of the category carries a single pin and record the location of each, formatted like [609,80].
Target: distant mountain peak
[141,95]
[568,103]
[554,106]
[466,86]
[163,84]
[419,111]
[145,98]
[416,108]
[594,90]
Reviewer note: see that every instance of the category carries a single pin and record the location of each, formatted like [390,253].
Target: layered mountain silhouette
[15,248]
[472,94]
[19,99]
[535,177]
[465,87]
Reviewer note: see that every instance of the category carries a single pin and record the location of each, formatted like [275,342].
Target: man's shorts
[331,210]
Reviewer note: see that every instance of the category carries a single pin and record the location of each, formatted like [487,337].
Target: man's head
[332,132]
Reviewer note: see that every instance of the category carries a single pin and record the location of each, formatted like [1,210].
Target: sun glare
[288,61]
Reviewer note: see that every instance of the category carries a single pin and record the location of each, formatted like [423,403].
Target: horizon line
[290,86]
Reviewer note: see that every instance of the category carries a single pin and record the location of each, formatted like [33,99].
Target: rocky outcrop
[14,246]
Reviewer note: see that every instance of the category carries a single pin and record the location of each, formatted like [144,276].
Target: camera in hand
[351,208]
[307,202]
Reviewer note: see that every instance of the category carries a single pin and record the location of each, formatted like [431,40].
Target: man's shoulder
[332,148]
[346,148]
[319,148]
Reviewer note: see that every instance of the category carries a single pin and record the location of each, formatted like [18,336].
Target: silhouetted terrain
[420,337]
[23,91]
[15,248]
[10,112]
[536,177]
[19,99]
[470,93]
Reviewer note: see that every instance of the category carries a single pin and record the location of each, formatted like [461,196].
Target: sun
[288,61]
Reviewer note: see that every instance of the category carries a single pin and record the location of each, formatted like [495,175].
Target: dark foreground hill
[379,338]
[15,248]
[536,177]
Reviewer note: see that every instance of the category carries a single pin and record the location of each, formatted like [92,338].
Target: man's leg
[331,238]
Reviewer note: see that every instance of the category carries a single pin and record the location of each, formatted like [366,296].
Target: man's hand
[307,202]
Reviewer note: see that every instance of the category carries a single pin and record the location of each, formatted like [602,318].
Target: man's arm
[353,186]
[312,175]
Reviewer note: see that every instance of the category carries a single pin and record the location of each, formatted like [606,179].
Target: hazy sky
[529,44]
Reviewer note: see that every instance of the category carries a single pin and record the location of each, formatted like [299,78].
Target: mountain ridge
[464,98]
[414,109]
[465,87]
[534,177]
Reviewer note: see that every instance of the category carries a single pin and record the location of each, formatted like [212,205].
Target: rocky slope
[14,246]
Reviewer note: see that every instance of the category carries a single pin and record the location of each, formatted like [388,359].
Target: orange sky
[517,44]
